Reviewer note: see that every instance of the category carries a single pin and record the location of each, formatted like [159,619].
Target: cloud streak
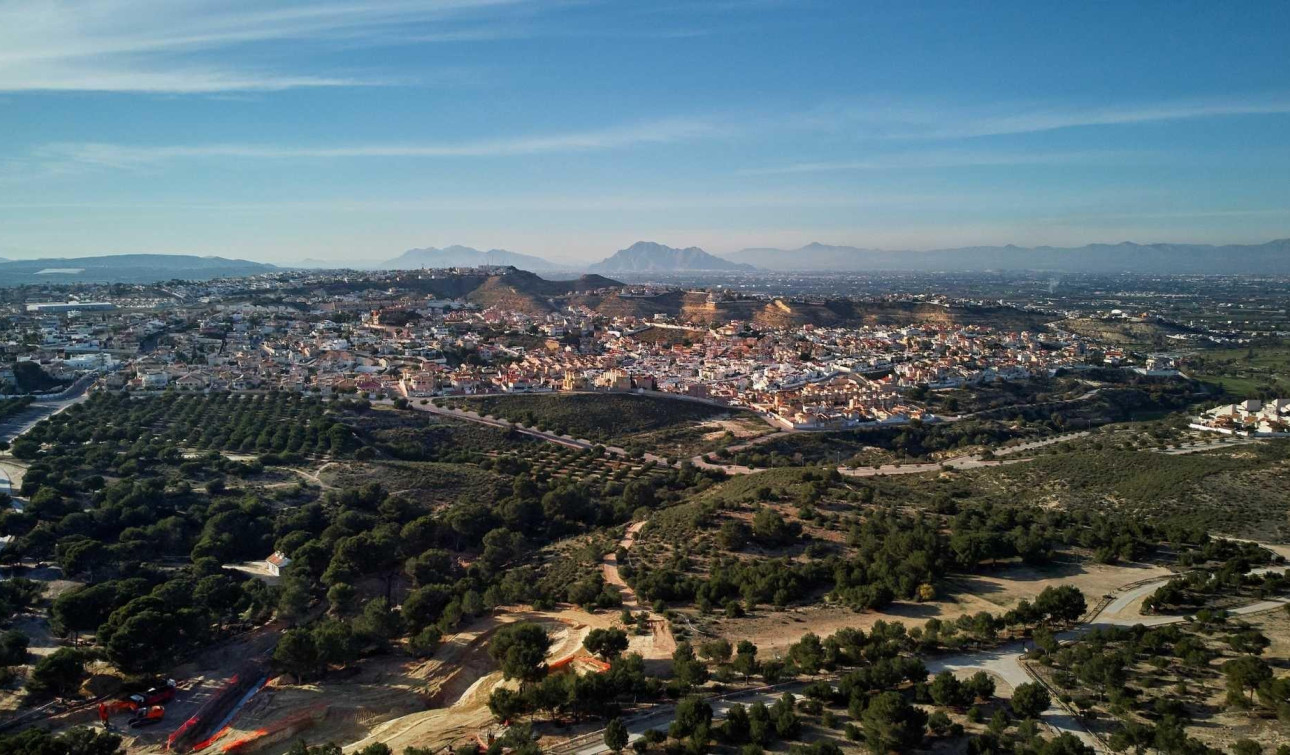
[1035,120]
[129,156]
[947,159]
[181,46]
[932,121]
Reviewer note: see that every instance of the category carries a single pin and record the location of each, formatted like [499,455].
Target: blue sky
[352,130]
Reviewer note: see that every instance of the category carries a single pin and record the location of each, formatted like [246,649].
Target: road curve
[1003,661]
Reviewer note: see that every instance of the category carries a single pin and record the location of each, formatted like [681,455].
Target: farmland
[662,425]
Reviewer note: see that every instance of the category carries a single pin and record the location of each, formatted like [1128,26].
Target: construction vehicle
[147,716]
[109,709]
[145,708]
[156,695]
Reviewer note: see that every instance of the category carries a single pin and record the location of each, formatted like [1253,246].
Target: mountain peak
[465,256]
[653,257]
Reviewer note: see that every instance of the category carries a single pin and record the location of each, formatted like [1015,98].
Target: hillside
[522,291]
[1142,334]
[649,257]
[1271,258]
[697,308]
[464,256]
[125,268]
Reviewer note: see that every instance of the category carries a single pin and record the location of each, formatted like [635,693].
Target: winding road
[964,462]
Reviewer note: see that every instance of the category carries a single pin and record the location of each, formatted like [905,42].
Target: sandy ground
[404,702]
[36,625]
[1218,727]
[257,569]
[1006,587]
[660,643]
[14,471]
[774,631]
[740,428]
[468,678]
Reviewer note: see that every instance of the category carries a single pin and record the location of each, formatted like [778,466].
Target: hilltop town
[477,332]
[312,507]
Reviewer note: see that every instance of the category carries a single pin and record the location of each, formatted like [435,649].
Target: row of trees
[604,418]
[279,422]
[11,406]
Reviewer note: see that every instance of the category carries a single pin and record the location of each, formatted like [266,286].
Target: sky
[351,130]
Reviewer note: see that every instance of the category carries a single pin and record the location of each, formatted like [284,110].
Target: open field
[629,420]
[1234,490]
[399,701]
[994,592]
[433,482]
[1132,333]
[1259,369]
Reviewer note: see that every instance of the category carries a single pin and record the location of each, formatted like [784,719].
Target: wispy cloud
[1037,119]
[576,204]
[945,120]
[130,156]
[184,46]
[948,159]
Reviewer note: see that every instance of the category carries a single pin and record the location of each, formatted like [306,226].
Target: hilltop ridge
[649,256]
[465,256]
[126,268]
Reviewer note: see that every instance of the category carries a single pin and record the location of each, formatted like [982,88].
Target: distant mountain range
[464,256]
[1272,258]
[125,268]
[649,257]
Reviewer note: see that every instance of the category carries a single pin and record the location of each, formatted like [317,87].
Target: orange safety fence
[284,727]
[228,719]
[595,663]
[196,719]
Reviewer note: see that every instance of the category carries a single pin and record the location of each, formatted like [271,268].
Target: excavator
[147,716]
[145,709]
[109,709]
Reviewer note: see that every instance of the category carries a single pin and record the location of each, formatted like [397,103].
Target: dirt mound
[387,700]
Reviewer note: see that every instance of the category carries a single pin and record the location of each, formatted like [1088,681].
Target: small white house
[277,562]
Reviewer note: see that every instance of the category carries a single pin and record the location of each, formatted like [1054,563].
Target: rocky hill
[464,256]
[699,309]
[523,291]
[649,257]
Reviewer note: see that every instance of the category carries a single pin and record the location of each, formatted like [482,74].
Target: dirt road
[662,643]
[1003,662]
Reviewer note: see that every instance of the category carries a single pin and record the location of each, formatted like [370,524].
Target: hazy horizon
[373,258]
[339,131]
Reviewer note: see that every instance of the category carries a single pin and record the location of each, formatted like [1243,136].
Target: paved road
[1003,661]
[12,471]
[14,426]
[1197,446]
[965,462]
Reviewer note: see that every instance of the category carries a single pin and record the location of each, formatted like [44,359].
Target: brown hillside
[697,309]
[522,291]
